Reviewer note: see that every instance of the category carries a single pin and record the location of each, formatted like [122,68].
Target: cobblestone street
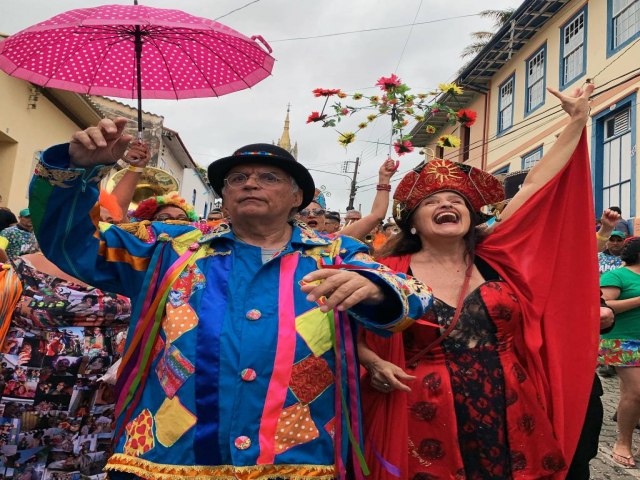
[602,467]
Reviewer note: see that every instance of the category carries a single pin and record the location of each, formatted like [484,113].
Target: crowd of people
[154,344]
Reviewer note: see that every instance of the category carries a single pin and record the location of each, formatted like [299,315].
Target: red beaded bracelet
[383,187]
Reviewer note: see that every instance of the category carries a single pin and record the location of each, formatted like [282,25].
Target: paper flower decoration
[466,117]
[403,146]
[449,141]
[397,104]
[346,138]
[315,117]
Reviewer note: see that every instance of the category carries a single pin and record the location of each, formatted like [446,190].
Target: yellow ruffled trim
[155,471]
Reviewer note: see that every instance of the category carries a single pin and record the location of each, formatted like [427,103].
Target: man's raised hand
[102,144]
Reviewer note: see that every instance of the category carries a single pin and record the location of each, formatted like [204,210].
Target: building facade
[560,44]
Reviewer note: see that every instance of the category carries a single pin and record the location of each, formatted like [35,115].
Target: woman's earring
[413,230]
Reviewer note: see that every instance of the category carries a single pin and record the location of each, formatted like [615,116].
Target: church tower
[285,139]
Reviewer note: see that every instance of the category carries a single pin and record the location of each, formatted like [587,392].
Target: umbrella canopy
[135,51]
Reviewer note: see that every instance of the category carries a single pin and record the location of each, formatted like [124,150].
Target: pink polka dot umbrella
[135,51]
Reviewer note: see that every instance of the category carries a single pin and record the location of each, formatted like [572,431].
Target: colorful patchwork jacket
[229,372]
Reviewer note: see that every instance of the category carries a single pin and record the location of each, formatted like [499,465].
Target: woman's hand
[386,376]
[577,103]
[137,154]
[387,170]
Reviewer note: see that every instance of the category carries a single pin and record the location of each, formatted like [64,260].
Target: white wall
[204,196]
[167,162]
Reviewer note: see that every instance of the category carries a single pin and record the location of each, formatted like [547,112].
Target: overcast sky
[215,127]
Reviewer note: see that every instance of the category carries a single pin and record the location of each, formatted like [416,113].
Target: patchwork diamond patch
[139,433]
[172,421]
[179,320]
[314,327]
[173,370]
[309,378]
[295,427]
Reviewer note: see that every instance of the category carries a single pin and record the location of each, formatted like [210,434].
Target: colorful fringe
[10,292]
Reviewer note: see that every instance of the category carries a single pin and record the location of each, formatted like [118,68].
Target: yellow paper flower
[450,88]
[362,125]
[372,117]
[449,141]
[430,129]
[346,138]
[357,96]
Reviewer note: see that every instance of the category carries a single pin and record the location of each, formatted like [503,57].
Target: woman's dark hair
[406,243]
[630,252]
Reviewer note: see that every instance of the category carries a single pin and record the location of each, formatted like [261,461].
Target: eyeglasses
[264,179]
[164,218]
[316,212]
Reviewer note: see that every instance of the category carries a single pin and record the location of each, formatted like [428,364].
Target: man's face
[170,212]
[25,223]
[615,245]
[331,225]
[352,216]
[258,199]
[214,216]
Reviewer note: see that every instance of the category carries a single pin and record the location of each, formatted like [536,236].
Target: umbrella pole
[138,47]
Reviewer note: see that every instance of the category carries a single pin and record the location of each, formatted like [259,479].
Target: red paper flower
[466,117]
[326,92]
[344,111]
[403,146]
[315,117]
[146,209]
[388,83]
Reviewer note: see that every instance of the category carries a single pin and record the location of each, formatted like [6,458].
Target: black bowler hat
[267,154]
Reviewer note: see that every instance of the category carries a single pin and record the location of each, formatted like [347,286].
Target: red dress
[473,411]
[545,255]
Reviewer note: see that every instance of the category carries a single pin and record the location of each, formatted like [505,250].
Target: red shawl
[546,252]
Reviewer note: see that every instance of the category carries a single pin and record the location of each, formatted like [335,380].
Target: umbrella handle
[263,41]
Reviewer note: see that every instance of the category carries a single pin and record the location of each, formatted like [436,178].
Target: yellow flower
[362,125]
[419,118]
[372,117]
[430,129]
[346,138]
[449,141]
[357,96]
[450,88]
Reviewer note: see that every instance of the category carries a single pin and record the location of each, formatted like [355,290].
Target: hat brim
[218,169]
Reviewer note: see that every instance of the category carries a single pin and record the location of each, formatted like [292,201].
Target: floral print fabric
[619,353]
[473,411]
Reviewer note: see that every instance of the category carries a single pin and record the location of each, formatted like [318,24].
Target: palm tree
[480,39]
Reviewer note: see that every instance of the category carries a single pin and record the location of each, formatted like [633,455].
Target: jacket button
[242,443]
[254,314]
[248,375]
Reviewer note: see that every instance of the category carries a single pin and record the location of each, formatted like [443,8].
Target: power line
[408,36]
[236,9]
[373,29]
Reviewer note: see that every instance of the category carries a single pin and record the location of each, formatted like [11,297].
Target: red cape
[546,251]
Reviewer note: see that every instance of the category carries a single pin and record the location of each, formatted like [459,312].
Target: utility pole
[352,192]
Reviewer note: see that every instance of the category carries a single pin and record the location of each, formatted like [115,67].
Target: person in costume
[165,207]
[487,384]
[240,359]
[314,215]
[620,347]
